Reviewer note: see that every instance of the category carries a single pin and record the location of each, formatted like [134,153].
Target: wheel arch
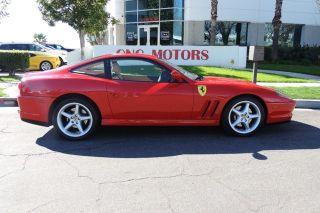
[247,95]
[71,95]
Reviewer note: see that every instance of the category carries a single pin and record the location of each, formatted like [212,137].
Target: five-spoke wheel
[45,65]
[75,119]
[243,116]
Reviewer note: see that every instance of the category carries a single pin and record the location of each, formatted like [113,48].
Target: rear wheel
[45,65]
[75,118]
[243,116]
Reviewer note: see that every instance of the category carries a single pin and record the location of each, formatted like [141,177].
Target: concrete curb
[8,102]
[308,104]
[301,103]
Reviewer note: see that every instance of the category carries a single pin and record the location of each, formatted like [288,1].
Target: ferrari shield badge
[202,90]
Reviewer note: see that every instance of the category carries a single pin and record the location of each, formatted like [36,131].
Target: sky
[25,19]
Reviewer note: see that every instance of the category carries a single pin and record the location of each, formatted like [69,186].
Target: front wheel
[45,65]
[243,116]
[75,119]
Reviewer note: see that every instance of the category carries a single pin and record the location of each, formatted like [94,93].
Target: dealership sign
[229,56]
[171,54]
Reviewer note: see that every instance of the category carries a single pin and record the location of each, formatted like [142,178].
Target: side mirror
[177,76]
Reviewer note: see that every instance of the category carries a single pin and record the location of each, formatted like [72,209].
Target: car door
[137,92]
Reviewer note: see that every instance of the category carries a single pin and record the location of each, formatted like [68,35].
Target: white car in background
[36,47]
[61,53]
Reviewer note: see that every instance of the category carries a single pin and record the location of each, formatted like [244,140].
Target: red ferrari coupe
[133,89]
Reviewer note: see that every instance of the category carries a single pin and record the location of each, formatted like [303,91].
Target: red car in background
[134,89]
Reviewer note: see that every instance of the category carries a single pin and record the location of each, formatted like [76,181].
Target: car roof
[19,43]
[110,56]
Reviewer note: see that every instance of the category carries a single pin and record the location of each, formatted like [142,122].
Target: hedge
[295,55]
[14,60]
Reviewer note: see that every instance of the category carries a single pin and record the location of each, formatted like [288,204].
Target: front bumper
[280,112]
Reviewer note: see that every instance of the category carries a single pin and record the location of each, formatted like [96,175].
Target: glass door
[149,35]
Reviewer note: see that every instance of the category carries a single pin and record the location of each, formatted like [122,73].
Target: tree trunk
[214,16]
[276,22]
[238,31]
[297,37]
[12,73]
[82,43]
[225,38]
[225,30]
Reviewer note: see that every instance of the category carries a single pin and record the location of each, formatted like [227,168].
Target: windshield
[184,72]
[44,47]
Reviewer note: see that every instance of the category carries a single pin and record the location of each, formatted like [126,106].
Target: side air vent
[209,109]
[206,108]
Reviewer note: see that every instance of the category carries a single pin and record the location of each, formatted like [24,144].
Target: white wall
[255,11]
[232,56]
[256,34]
[310,35]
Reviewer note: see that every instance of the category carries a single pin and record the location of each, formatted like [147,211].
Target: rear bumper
[280,112]
[35,109]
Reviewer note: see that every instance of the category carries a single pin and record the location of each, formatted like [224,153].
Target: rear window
[94,69]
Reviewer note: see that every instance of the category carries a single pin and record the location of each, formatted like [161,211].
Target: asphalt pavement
[161,169]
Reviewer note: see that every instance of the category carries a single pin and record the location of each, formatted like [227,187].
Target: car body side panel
[35,108]
[148,100]
[53,88]
[220,93]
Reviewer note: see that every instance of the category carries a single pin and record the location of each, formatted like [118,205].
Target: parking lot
[161,169]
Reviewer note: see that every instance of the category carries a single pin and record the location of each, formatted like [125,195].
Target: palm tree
[276,22]
[39,38]
[3,7]
[214,16]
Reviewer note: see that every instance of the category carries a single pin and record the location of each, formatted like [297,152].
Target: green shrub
[295,55]
[14,60]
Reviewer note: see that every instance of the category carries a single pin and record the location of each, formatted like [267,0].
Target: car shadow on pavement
[151,142]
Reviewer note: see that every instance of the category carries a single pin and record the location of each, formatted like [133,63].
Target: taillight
[20,88]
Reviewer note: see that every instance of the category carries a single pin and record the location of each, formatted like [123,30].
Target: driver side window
[138,70]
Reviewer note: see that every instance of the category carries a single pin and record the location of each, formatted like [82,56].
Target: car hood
[58,52]
[220,80]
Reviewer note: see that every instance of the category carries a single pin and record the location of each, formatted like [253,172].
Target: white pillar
[111,35]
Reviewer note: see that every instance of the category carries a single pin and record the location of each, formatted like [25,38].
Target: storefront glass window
[228,33]
[171,33]
[131,17]
[131,5]
[171,3]
[148,4]
[290,35]
[167,14]
[131,34]
[148,15]
[171,14]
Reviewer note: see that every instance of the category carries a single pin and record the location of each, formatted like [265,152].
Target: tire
[243,116]
[45,65]
[72,124]
[61,62]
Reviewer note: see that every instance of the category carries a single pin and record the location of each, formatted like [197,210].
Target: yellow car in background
[43,61]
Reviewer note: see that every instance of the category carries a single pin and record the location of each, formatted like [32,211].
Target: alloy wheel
[244,117]
[46,66]
[74,120]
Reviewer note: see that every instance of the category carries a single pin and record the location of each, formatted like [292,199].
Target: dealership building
[187,22]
